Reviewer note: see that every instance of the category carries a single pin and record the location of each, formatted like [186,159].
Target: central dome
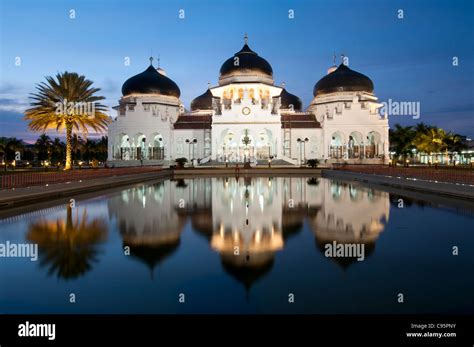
[246,66]
[150,81]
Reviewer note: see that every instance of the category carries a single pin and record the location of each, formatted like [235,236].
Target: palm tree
[101,149]
[8,148]
[433,141]
[454,143]
[401,140]
[67,102]
[43,146]
[57,150]
[77,147]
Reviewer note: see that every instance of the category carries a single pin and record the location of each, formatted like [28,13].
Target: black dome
[202,102]
[288,99]
[343,79]
[249,61]
[150,81]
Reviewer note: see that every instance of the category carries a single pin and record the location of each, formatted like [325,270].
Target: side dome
[150,81]
[288,99]
[202,102]
[343,79]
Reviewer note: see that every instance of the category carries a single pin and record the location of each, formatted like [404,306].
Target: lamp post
[304,149]
[298,140]
[302,144]
[191,142]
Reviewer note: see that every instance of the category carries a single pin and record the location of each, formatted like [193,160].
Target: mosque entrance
[247,146]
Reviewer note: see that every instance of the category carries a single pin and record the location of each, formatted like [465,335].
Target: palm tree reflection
[68,247]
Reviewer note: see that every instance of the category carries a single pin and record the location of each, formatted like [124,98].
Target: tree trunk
[68,146]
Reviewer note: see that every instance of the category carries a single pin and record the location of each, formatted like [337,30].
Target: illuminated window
[251,93]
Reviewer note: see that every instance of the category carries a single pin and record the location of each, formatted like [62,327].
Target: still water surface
[240,246]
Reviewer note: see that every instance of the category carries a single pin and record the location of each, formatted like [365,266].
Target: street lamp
[302,143]
[191,142]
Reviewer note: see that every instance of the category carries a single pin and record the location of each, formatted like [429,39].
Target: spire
[246,38]
[151,61]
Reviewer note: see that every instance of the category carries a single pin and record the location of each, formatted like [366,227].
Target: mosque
[247,118]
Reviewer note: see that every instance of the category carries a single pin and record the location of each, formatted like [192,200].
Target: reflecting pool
[241,245]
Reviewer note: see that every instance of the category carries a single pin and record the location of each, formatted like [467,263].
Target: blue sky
[408,59]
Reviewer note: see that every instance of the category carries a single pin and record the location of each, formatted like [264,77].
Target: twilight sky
[409,59]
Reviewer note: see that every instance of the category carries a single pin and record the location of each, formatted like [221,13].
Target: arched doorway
[156,147]
[355,145]
[264,144]
[246,146]
[124,148]
[336,148]
[228,146]
[372,148]
[140,147]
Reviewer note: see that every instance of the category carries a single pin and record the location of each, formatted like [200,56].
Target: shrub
[312,162]
[180,162]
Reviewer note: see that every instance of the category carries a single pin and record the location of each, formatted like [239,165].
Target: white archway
[355,144]
[124,151]
[336,147]
[264,144]
[374,145]
[140,151]
[228,148]
[156,147]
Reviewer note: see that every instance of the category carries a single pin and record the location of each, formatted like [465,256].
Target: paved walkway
[20,196]
[457,190]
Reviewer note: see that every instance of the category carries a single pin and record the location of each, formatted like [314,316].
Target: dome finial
[283,84]
[334,58]
[158,60]
[208,85]
[343,56]
[151,61]
[246,38]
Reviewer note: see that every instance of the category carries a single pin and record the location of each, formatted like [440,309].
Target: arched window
[251,93]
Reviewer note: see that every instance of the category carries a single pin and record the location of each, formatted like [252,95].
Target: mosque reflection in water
[247,220]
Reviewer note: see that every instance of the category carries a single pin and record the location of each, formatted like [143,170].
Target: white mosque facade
[247,118]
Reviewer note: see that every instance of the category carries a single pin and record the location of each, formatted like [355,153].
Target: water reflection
[148,221]
[247,220]
[68,247]
[350,214]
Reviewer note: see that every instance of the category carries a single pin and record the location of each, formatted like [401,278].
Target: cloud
[13,98]
[8,87]
[13,103]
